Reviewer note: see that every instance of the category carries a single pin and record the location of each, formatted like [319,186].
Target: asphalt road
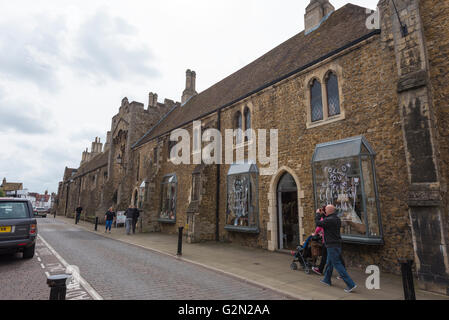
[119,271]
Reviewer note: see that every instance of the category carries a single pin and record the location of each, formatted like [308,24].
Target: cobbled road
[119,271]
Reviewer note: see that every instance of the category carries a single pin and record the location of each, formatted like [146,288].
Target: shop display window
[242,214]
[344,175]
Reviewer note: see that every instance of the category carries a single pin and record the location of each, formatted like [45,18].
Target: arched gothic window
[333,97]
[238,125]
[316,101]
[247,114]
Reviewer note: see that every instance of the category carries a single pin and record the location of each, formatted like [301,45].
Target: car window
[13,210]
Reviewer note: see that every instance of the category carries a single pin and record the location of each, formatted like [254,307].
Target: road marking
[42,266]
[39,259]
[94,294]
[47,274]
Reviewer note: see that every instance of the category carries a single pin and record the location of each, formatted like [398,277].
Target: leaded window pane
[333,97]
[247,122]
[316,101]
[238,126]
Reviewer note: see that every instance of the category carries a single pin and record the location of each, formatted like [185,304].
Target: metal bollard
[180,241]
[96,223]
[407,279]
[58,286]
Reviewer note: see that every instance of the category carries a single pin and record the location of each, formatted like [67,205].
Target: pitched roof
[95,163]
[344,26]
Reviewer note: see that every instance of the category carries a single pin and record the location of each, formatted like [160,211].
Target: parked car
[18,227]
[41,212]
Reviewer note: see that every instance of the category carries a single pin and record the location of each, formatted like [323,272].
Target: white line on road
[94,294]
[39,259]
[42,266]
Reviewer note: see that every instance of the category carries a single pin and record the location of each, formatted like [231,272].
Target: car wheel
[28,253]
[45,216]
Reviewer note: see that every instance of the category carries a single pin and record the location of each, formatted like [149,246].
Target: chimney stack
[152,100]
[190,86]
[316,13]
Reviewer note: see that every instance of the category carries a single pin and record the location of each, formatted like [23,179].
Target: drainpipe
[217,206]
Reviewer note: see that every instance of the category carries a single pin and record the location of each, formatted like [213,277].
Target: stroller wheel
[294,266]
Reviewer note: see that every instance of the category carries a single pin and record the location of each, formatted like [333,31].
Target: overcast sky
[66,65]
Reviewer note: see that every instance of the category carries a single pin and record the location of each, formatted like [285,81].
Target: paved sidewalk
[262,267]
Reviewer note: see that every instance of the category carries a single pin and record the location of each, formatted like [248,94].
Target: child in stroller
[303,255]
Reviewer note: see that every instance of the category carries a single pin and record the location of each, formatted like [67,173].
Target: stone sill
[339,117]
[362,240]
[167,221]
[253,230]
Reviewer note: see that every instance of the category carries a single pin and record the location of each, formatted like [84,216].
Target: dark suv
[18,227]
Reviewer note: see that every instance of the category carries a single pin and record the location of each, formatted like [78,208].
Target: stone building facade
[359,99]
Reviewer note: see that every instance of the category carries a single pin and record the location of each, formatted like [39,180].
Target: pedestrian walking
[135,219]
[130,214]
[78,214]
[332,238]
[109,217]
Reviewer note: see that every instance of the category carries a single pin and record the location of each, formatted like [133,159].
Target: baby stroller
[303,255]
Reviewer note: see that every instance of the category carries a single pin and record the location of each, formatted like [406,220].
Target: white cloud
[65,65]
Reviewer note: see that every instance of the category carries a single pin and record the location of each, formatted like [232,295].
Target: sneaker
[327,284]
[349,290]
[339,278]
[317,271]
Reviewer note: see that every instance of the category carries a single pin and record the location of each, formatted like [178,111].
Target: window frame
[166,181]
[321,76]
[369,154]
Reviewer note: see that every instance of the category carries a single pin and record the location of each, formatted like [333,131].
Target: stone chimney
[4,182]
[316,12]
[152,100]
[190,86]
[97,147]
[107,145]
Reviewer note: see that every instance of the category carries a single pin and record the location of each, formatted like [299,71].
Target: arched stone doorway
[274,228]
[287,209]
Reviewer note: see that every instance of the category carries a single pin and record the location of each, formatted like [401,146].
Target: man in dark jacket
[135,219]
[131,219]
[332,239]
[78,214]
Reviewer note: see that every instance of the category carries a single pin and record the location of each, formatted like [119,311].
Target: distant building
[11,189]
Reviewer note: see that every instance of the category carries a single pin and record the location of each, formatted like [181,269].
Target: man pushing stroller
[331,225]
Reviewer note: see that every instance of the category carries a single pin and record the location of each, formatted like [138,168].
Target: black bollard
[96,223]
[58,286]
[407,279]
[180,241]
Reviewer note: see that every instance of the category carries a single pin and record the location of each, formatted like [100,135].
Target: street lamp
[120,161]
